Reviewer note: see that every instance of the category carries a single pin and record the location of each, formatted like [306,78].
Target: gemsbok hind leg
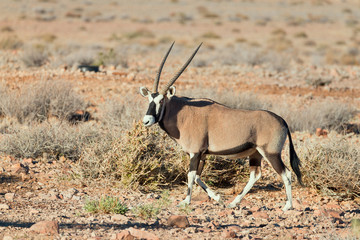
[281,169]
[255,174]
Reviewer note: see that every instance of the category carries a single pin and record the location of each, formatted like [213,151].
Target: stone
[19,168]
[228,234]
[46,227]
[142,234]
[9,197]
[178,221]
[119,218]
[4,206]
[124,235]
[262,215]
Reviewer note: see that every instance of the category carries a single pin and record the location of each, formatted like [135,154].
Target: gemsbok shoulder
[203,126]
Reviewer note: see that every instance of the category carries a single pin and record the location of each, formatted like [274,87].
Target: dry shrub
[143,158]
[10,43]
[327,114]
[55,139]
[34,57]
[331,165]
[222,172]
[40,100]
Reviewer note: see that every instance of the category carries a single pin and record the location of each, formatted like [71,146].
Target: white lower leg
[286,177]
[207,189]
[253,178]
[191,179]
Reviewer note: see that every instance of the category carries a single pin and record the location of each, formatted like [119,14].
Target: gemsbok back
[203,126]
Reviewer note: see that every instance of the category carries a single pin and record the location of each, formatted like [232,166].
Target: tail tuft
[294,160]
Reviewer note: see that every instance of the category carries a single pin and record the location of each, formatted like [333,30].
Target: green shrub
[152,210]
[106,205]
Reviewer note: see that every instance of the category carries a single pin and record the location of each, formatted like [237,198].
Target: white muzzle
[148,120]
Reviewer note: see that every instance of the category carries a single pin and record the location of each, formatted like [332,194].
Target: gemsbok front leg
[194,163]
[210,192]
[255,174]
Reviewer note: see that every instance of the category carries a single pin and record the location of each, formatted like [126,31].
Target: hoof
[231,205]
[183,203]
[287,207]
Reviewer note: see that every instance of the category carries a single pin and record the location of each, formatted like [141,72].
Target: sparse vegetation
[106,205]
[152,210]
[332,166]
[34,57]
[10,43]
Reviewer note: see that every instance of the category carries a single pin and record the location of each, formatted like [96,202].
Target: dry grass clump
[326,114]
[331,165]
[34,57]
[141,159]
[10,43]
[222,172]
[41,100]
[52,139]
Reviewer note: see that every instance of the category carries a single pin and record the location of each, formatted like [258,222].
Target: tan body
[219,130]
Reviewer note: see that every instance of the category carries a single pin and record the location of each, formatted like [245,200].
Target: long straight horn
[157,79]
[177,75]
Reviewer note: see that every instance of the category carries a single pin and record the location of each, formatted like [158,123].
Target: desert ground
[76,162]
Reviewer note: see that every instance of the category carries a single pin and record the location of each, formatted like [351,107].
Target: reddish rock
[19,168]
[321,132]
[334,214]
[254,209]
[46,227]
[9,197]
[262,215]
[228,234]
[142,234]
[124,235]
[332,206]
[178,221]
[225,213]
[28,160]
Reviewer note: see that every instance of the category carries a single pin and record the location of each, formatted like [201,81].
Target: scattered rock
[228,234]
[4,206]
[260,214]
[124,235]
[178,221]
[119,217]
[321,132]
[46,227]
[7,237]
[19,168]
[142,234]
[9,197]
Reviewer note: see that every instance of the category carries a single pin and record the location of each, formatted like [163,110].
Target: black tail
[294,160]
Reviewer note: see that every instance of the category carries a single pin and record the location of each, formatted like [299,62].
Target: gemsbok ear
[144,91]
[171,91]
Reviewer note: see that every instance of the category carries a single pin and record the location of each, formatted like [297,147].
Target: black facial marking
[152,108]
[154,95]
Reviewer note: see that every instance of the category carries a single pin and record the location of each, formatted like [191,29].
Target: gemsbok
[202,127]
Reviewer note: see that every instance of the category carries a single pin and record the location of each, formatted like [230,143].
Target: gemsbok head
[203,126]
